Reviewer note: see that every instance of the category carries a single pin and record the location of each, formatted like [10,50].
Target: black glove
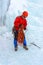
[24,28]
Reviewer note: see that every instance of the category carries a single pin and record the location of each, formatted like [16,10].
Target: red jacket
[19,21]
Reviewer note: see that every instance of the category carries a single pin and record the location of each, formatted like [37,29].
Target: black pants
[15,34]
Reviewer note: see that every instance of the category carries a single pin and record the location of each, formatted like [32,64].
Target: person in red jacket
[20,20]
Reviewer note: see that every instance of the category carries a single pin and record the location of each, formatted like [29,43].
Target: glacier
[9,9]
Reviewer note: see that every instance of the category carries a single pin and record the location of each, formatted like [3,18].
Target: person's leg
[25,45]
[15,40]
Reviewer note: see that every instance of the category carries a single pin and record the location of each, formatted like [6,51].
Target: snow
[34,33]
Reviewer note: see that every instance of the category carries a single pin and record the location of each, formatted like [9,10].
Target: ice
[34,33]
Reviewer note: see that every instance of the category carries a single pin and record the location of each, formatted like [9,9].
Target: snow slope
[34,56]
[34,33]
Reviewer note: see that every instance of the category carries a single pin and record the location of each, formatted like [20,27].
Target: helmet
[25,13]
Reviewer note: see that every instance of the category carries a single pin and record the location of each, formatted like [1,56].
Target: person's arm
[25,24]
[13,30]
[16,22]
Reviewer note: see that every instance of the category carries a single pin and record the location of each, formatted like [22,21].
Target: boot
[16,48]
[25,47]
